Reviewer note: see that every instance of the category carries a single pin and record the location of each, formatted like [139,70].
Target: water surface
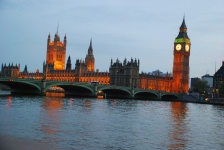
[88,123]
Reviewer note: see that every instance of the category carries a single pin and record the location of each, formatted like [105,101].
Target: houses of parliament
[125,73]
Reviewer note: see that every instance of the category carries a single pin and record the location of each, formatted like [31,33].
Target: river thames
[88,123]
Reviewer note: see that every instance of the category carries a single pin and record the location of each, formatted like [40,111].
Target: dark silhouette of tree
[201,87]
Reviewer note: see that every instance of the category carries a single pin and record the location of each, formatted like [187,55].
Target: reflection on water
[55,94]
[51,121]
[71,101]
[9,101]
[51,103]
[75,123]
[88,103]
[179,126]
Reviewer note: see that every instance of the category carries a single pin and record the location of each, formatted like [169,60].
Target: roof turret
[183,31]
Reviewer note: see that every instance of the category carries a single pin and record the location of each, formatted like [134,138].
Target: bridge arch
[82,90]
[115,92]
[22,87]
[146,95]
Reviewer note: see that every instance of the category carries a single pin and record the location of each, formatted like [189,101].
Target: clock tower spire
[181,54]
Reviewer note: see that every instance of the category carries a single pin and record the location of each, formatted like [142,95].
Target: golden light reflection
[179,128]
[9,101]
[51,125]
[101,95]
[55,94]
[53,102]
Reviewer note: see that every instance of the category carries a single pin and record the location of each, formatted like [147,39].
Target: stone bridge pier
[43,87]
[95,87]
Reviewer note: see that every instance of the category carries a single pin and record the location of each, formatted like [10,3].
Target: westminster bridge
[40,87]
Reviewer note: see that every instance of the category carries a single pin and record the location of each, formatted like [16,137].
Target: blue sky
[120,29]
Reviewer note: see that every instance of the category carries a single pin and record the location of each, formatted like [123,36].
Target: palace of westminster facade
[124,73]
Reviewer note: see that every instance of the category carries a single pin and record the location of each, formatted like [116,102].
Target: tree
[201,86]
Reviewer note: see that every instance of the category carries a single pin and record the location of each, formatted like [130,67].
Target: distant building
[218,82]
[10,70]
[194,82]
[209,80]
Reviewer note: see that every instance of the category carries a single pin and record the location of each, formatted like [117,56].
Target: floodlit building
[120,74]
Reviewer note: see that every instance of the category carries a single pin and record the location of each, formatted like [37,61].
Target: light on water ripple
[87,123]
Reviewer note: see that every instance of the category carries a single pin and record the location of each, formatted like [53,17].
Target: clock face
[178,47]
[187,48]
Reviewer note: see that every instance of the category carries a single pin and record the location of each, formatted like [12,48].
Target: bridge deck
[31,86]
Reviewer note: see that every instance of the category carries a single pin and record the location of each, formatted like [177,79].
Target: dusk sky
[144,29]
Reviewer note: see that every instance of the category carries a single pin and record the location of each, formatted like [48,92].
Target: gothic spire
[65,39]
[183,25]
[25,69]
[56,37]
[48,39]
[57,27]
[69,58]
[69,64]
[183,30]
[91,42]
[90,50]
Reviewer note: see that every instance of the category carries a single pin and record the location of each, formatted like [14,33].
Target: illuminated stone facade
[178,82]
[155,82]
[120,74]
[181,54]
[55,69]
[90,60]
[56,53]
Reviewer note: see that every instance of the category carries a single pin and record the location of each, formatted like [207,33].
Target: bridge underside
[146,95]
[116,93]
[22,88]
[76,91]
[169,97]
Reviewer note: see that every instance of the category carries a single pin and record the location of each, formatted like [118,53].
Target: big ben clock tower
[182,46]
